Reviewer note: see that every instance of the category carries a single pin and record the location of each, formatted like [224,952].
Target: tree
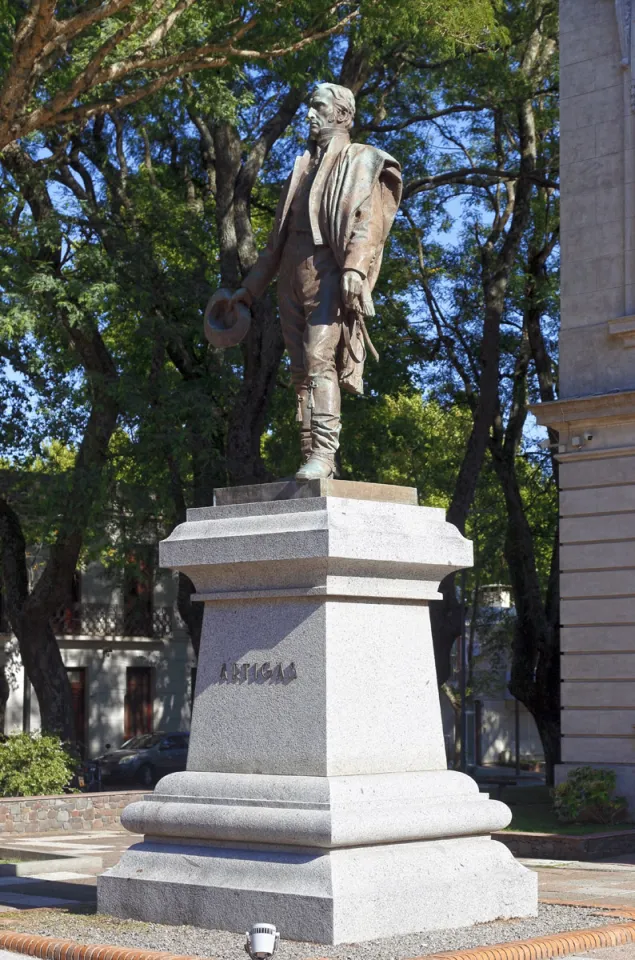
[498,238]
[59,66]
[30,611]
[535,675]
[489,303]
[89,261]
[133,162]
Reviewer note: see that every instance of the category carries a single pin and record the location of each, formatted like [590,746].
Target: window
[173,743]
[138,590]
[143,742]
[77,679]
[138,702]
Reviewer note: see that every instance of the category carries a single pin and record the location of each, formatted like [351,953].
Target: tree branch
[423,118]
[478,176]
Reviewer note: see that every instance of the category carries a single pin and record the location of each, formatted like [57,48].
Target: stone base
[336,896]
[327,859]
[316,795]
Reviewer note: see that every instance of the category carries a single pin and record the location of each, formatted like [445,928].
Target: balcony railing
[103,620]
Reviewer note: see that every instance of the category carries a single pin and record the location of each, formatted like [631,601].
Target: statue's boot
[324,401]
[304,419]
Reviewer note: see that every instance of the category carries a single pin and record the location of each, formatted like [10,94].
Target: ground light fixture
[262,941]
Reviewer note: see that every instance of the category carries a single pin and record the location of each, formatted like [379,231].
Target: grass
[540,818]
[532,813]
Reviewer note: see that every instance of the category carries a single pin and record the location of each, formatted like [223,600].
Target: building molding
[623,329]
[618,407]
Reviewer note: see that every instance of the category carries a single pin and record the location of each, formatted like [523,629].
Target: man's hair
[342,98]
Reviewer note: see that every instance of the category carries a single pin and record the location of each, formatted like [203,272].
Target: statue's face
[321,112]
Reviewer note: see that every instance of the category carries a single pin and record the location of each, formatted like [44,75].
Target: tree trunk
[535,674]
[45,669]
[455,702]
[497,266]
[263,347]
[5,692]
[38,647]
[262,354]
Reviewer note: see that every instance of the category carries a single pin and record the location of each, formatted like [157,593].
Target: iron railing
[104,620]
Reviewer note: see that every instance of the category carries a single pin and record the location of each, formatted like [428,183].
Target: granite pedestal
[316,794]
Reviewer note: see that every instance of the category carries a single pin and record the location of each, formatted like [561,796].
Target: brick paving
[590,884]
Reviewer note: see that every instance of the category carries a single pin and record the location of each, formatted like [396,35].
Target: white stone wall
[597,201]
[598,610]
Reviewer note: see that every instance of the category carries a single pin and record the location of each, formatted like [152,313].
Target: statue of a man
[334,215]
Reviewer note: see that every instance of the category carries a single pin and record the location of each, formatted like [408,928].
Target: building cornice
[603,408]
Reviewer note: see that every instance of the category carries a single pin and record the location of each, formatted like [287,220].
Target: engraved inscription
[257,672]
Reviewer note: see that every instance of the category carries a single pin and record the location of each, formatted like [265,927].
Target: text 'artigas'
[257,672]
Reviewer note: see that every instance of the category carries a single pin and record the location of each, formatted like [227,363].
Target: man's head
[330,106]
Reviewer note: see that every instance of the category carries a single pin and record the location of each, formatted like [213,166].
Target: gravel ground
[229,946]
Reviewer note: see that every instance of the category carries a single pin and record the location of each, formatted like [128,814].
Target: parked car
[87,777]
[145,758]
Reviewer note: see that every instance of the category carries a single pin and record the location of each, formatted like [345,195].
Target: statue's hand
[243,295]
[352,286]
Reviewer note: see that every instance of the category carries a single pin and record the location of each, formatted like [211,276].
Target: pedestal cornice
[317,546]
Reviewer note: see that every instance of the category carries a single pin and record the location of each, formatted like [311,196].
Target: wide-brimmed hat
[226,321]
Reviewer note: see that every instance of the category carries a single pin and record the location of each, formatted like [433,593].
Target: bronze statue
[333,217]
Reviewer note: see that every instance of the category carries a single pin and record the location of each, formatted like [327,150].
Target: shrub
[587,797]
[32,765]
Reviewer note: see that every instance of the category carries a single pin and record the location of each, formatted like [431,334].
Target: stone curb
[540,948]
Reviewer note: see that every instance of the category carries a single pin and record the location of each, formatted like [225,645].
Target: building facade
[128,656]
[595,415]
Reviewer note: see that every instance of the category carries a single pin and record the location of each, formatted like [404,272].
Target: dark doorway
[77,679]
[138,703]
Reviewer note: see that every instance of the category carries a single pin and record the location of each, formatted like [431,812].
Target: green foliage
[34,765]
[8,16]
[135,199]
[587,796]
[449,26]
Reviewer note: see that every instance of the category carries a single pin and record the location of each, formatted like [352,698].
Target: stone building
[128,657]
[595,415]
